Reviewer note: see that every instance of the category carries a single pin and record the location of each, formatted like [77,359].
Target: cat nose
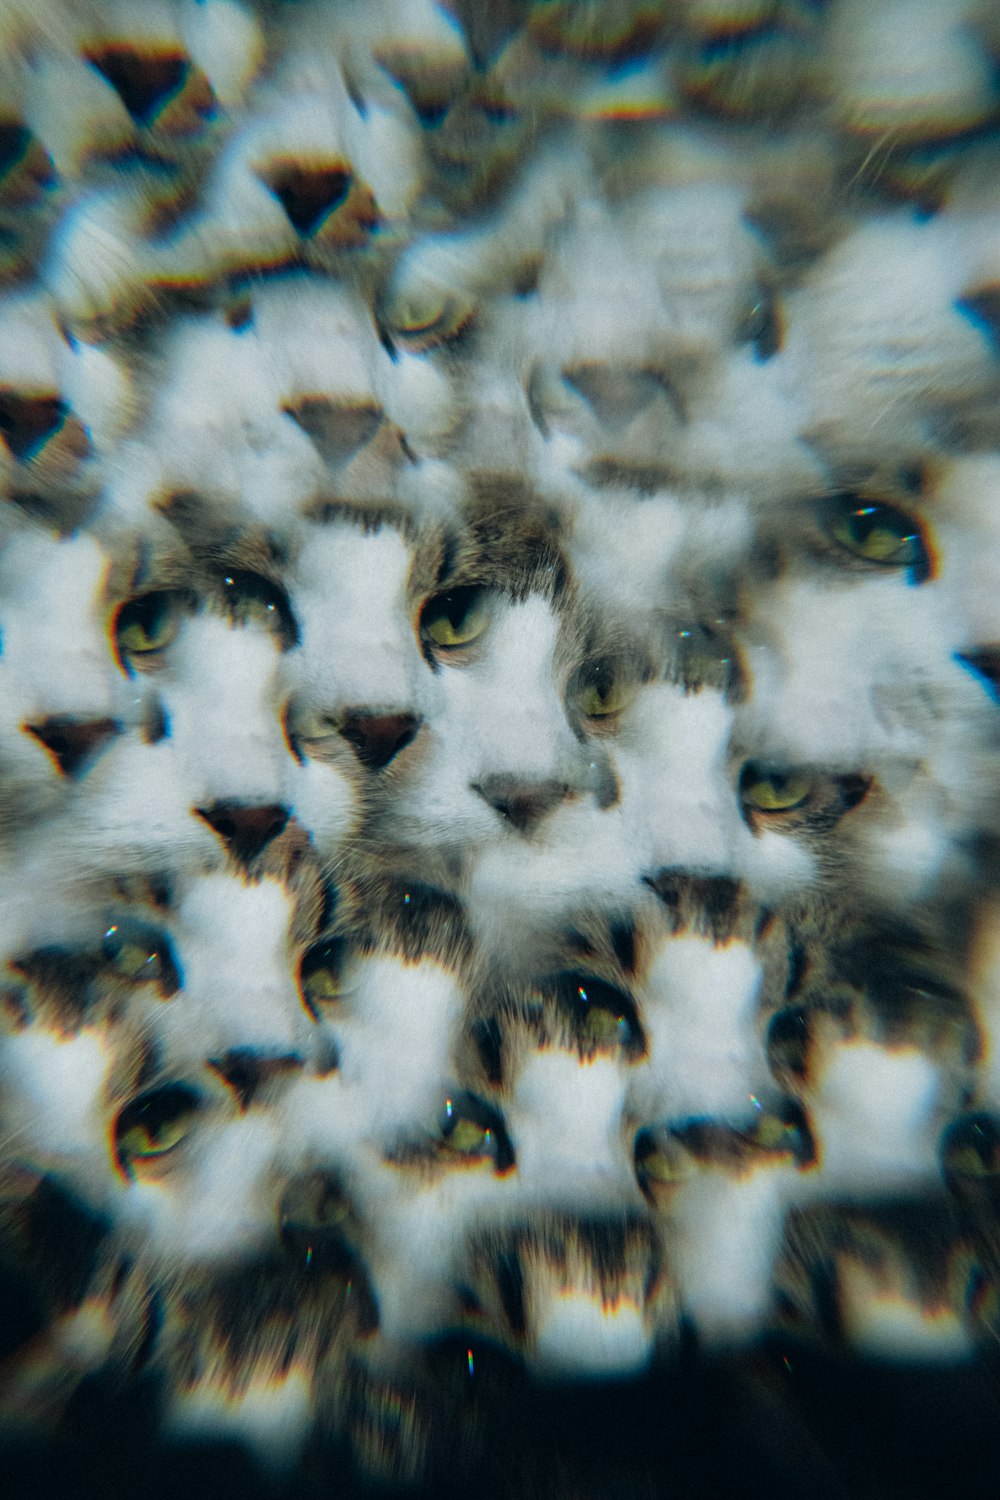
[247,1071]
[27,422]
[245,830]
[377,738]
[308,193]
[614,393]
[143,80]
[73,743]
[523,803]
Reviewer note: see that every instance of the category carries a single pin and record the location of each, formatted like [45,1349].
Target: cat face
[361,683]
[64,701]
[500,755]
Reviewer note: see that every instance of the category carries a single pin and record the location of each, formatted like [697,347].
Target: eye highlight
[455,619]
[140,955]
[878,534]
[249,599]
[144,627]
[153,1124]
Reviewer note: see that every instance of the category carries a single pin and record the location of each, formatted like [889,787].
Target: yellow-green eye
[879,534]
[321,975]
[473,1129]
[602,691]
[140,954]
[427,316]
[146,626]
[449,621]
[154,1124]
[661,1163]
[771,791]
[249,599]
[783,1132]
[604,1017]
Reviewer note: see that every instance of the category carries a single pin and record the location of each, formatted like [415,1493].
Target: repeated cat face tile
[498,673]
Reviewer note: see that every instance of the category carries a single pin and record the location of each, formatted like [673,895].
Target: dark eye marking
[250,599]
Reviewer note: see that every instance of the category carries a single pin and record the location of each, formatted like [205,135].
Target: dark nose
[614,393]
[247,1071]
[245,830]
[143,81]
[376,738]
[73,743]
[337,428]
[308,194]
[27,422]
[522,803]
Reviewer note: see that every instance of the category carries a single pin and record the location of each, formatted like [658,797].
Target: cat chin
[725,1233]
[700,999]
[57,1084]
[270,1415]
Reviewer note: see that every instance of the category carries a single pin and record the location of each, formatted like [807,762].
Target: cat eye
[878,534]
[661,1163]
[425,318]
[601,692]
[604,1018]
[321,975]
[736,1146]
[153,1125]
[141,955]
[249,599]
[773,791]
[144,627]
[782,796]
[787,1045]
[781,1132]
[453,620]
[472,1129]
[970,1155]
